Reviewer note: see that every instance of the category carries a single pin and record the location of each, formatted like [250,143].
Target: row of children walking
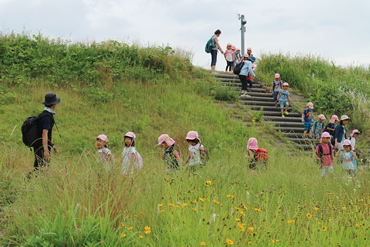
[233,56]
[197,156]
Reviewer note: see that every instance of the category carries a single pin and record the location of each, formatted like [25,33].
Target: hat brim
[57,101]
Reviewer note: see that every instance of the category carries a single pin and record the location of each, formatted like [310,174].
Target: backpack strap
[321,152]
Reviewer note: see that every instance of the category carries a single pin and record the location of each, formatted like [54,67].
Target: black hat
[51,99]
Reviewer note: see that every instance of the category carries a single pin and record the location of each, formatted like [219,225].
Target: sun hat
[325,134]
[229,44]
[237,49]
[347,143]
[355,132]
[252,144]
[285,84]
[344,117]
[51,99]
[102,137]
[334,118]
[233,47]
[165,138]
[249,49]
[131,135]
[310,105]
[277,75]
[246,55]
[192,135]
[253,59]
[321,116]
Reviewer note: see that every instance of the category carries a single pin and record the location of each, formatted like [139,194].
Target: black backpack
[238,68]
[30,129]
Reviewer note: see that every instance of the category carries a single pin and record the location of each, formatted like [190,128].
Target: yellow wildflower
[241,226]
[202,243]
[162,211]
[160,205]
[194,209]
[309,216]
[171,205]
[123,235]
[147,228]
[216,202]
[316,209]
[257,209]
[358,224]
[324,228]
[208,183]
[122,225]
[184,204]
[134,216]
[344,208]
[230,242]
[290,221]
[202,200]
[231,196]
[275,240]
[141,236]
[251,229]
[130,228]
[237,219]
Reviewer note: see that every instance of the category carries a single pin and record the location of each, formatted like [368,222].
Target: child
[276,86]
[307,118]
[230,57]
[196,151]
[330,127]
[233,48]
[105,156]
[353,137]
[348,158]
[170,156]
[318,127]
[255,154]
[130,157]
[324,153]
[238,56]
[249,52]
[283,97]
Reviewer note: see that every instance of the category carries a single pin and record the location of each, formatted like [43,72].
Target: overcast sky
[334,29]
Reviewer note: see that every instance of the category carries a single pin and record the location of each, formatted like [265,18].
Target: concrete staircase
[290,126]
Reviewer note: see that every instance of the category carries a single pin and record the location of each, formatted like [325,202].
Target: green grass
[72,203]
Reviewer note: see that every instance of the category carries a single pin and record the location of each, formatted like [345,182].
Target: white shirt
[194,155]
[353,142]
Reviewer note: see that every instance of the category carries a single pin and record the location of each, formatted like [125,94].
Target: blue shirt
[247,68]
[284,95]
[307,114]
[331,126]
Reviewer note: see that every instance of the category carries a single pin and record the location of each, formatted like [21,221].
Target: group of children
[233,56]
[197,155]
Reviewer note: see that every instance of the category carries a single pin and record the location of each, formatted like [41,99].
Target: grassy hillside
[112,88]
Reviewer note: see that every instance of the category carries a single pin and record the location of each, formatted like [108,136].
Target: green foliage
[258,115]
[98,95]
[223,93]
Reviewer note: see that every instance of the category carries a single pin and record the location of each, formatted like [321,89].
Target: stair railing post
[243,29]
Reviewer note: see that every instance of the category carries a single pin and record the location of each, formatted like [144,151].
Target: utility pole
[243,22]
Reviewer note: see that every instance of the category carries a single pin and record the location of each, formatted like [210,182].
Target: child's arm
[354,154]
[339,153]
[317,156]
[162,155]
[332,156]
[187,159]
[177,157]
[202,153]
[250,155]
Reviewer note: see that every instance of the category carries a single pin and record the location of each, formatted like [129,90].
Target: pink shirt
[327,161]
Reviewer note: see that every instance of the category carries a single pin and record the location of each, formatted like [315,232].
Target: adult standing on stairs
[246,71]
[216,47]
[341,132]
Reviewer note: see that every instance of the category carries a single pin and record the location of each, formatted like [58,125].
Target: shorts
[326,170]
[283,103]
[318,135]
[275,95]
[307,125]
[234,63]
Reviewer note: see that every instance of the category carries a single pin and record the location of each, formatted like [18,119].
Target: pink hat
[237,49]
[277,75]
[334,118]
[192,135]
[285,84]
[253,66]
[355,132]
[252,144]
[229,44]
[321,116]
[103,138]
[310,105]
[325,134]
[246,55]
[233,47]
[167,139]
[249,49]
[347,143]
[132,135]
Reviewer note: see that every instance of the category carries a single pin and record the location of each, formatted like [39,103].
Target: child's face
[325,140]
[164,145]
[249,51]
[285,87]
[229,47]
[100,143]
[347,148]
[193,143]
[355,135]
[128,141]
[277,79]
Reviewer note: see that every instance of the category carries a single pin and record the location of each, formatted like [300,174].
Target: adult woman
[245,72]
[340,132]
[216,47]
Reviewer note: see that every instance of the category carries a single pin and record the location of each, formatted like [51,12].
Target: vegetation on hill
[111,88]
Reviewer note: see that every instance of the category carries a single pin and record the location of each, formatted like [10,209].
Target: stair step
[257,102]
[256,98]
[293,135]
[304,146]
[226,76]
[278,113]
[283,119]
[289,129]
[287,124]
[260,94]
[239,84]
[301,140]
[254,89]
[267,108]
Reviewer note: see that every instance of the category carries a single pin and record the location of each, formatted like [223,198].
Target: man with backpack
[212,47]
[43,144]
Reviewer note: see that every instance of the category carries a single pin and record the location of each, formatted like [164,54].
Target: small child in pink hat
[330,127]
[349,158]
[256,154]
[238,56]
[131,159]
[283,98]
[277,85]
[230,57]
[325,155]
[249,52]
[196,151]
[170,156]
[307,119]
[318,127]
[353,137]
[105,156]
